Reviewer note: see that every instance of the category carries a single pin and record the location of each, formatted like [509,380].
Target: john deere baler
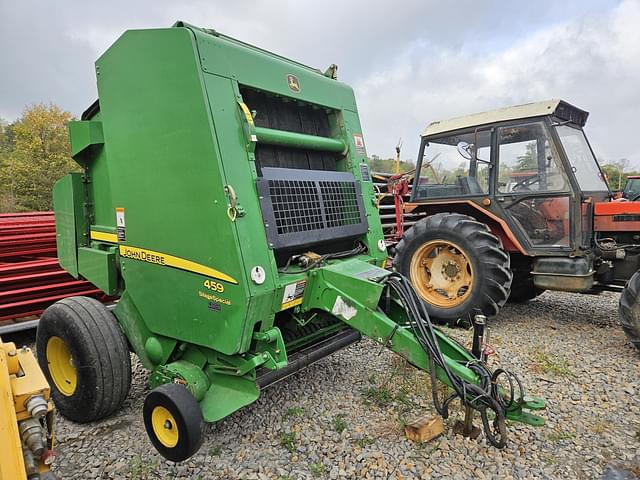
[226,201]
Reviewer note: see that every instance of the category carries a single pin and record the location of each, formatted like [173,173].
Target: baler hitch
[385,307]
[482,395]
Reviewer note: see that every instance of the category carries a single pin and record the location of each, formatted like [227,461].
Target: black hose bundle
[483,397]
[357,249]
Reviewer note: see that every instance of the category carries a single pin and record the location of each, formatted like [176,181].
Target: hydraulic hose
[483,396]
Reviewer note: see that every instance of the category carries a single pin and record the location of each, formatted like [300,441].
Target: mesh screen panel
[301,207]
[340,203]
[296,205]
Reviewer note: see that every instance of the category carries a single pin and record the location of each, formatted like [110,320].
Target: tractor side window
[527,161]
[454,166]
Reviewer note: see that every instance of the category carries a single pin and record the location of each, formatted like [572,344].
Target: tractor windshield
[583,163]
[454,166]
[631,188]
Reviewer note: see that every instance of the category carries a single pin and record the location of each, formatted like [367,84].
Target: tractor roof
[558,108]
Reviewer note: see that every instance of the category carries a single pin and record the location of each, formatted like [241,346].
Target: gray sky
[409,62]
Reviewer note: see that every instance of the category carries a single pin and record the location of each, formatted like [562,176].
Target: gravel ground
[343,417]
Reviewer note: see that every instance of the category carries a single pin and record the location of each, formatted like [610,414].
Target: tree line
[34,154]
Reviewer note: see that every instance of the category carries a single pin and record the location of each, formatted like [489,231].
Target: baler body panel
[164,172]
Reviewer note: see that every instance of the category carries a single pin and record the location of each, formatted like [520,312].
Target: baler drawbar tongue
[384,306]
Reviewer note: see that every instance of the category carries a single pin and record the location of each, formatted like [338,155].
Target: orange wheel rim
[442,273]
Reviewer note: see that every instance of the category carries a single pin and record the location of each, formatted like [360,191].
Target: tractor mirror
[465,149]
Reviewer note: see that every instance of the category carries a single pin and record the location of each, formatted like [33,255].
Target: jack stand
[466,428]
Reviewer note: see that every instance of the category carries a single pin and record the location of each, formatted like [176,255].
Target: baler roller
[284,138]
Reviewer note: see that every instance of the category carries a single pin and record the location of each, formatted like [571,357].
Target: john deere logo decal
[293,82]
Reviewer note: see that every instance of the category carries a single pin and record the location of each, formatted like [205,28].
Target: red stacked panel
[30,277]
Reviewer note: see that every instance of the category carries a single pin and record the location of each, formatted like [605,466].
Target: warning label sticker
[364,171]
[293,294]
[358,141]
[120,225]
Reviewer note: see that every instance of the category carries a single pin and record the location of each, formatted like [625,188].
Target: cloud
[409,62]
[592,61]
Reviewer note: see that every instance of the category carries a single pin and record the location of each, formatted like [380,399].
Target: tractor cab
[529,166]
[631,191]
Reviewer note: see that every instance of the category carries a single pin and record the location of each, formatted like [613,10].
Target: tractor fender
[498,226]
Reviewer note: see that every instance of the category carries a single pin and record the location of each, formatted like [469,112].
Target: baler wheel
[85,358]
[629,309]
[456,265]
[173,420]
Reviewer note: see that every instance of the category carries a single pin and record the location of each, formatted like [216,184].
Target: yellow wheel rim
[63,372]
[441,273]
[165,427]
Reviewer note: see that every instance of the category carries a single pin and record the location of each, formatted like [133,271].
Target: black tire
[491,279]
[523,289]
[629,309]
[98,354]
[185,424]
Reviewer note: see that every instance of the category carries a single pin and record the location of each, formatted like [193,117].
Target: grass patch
[380,396]
[365,441]
[317,469]
[339,424]
[556,437]
[424,450]
[216,451]
[142,469]
[294,412]
[549,459]
[547,363]
[288,441]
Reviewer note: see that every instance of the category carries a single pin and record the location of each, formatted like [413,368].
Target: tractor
[513,203]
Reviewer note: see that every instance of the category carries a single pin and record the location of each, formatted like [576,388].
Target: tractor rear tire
[457,266]
[85,358]
[629,309]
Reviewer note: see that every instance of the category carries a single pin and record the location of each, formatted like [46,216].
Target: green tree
[7,201]
[612,174]
[38,155]
[528,160]
[388,165]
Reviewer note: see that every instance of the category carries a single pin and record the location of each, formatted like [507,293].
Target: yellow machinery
[26,416]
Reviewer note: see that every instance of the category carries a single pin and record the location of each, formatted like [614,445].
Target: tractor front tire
[457,266]
[85,358]
[629,309]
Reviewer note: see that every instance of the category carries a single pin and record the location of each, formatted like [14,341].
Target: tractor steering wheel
[524,184]
[636,198]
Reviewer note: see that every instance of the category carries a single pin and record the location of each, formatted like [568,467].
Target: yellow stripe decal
[104,237]
[247,112]
[158,258]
